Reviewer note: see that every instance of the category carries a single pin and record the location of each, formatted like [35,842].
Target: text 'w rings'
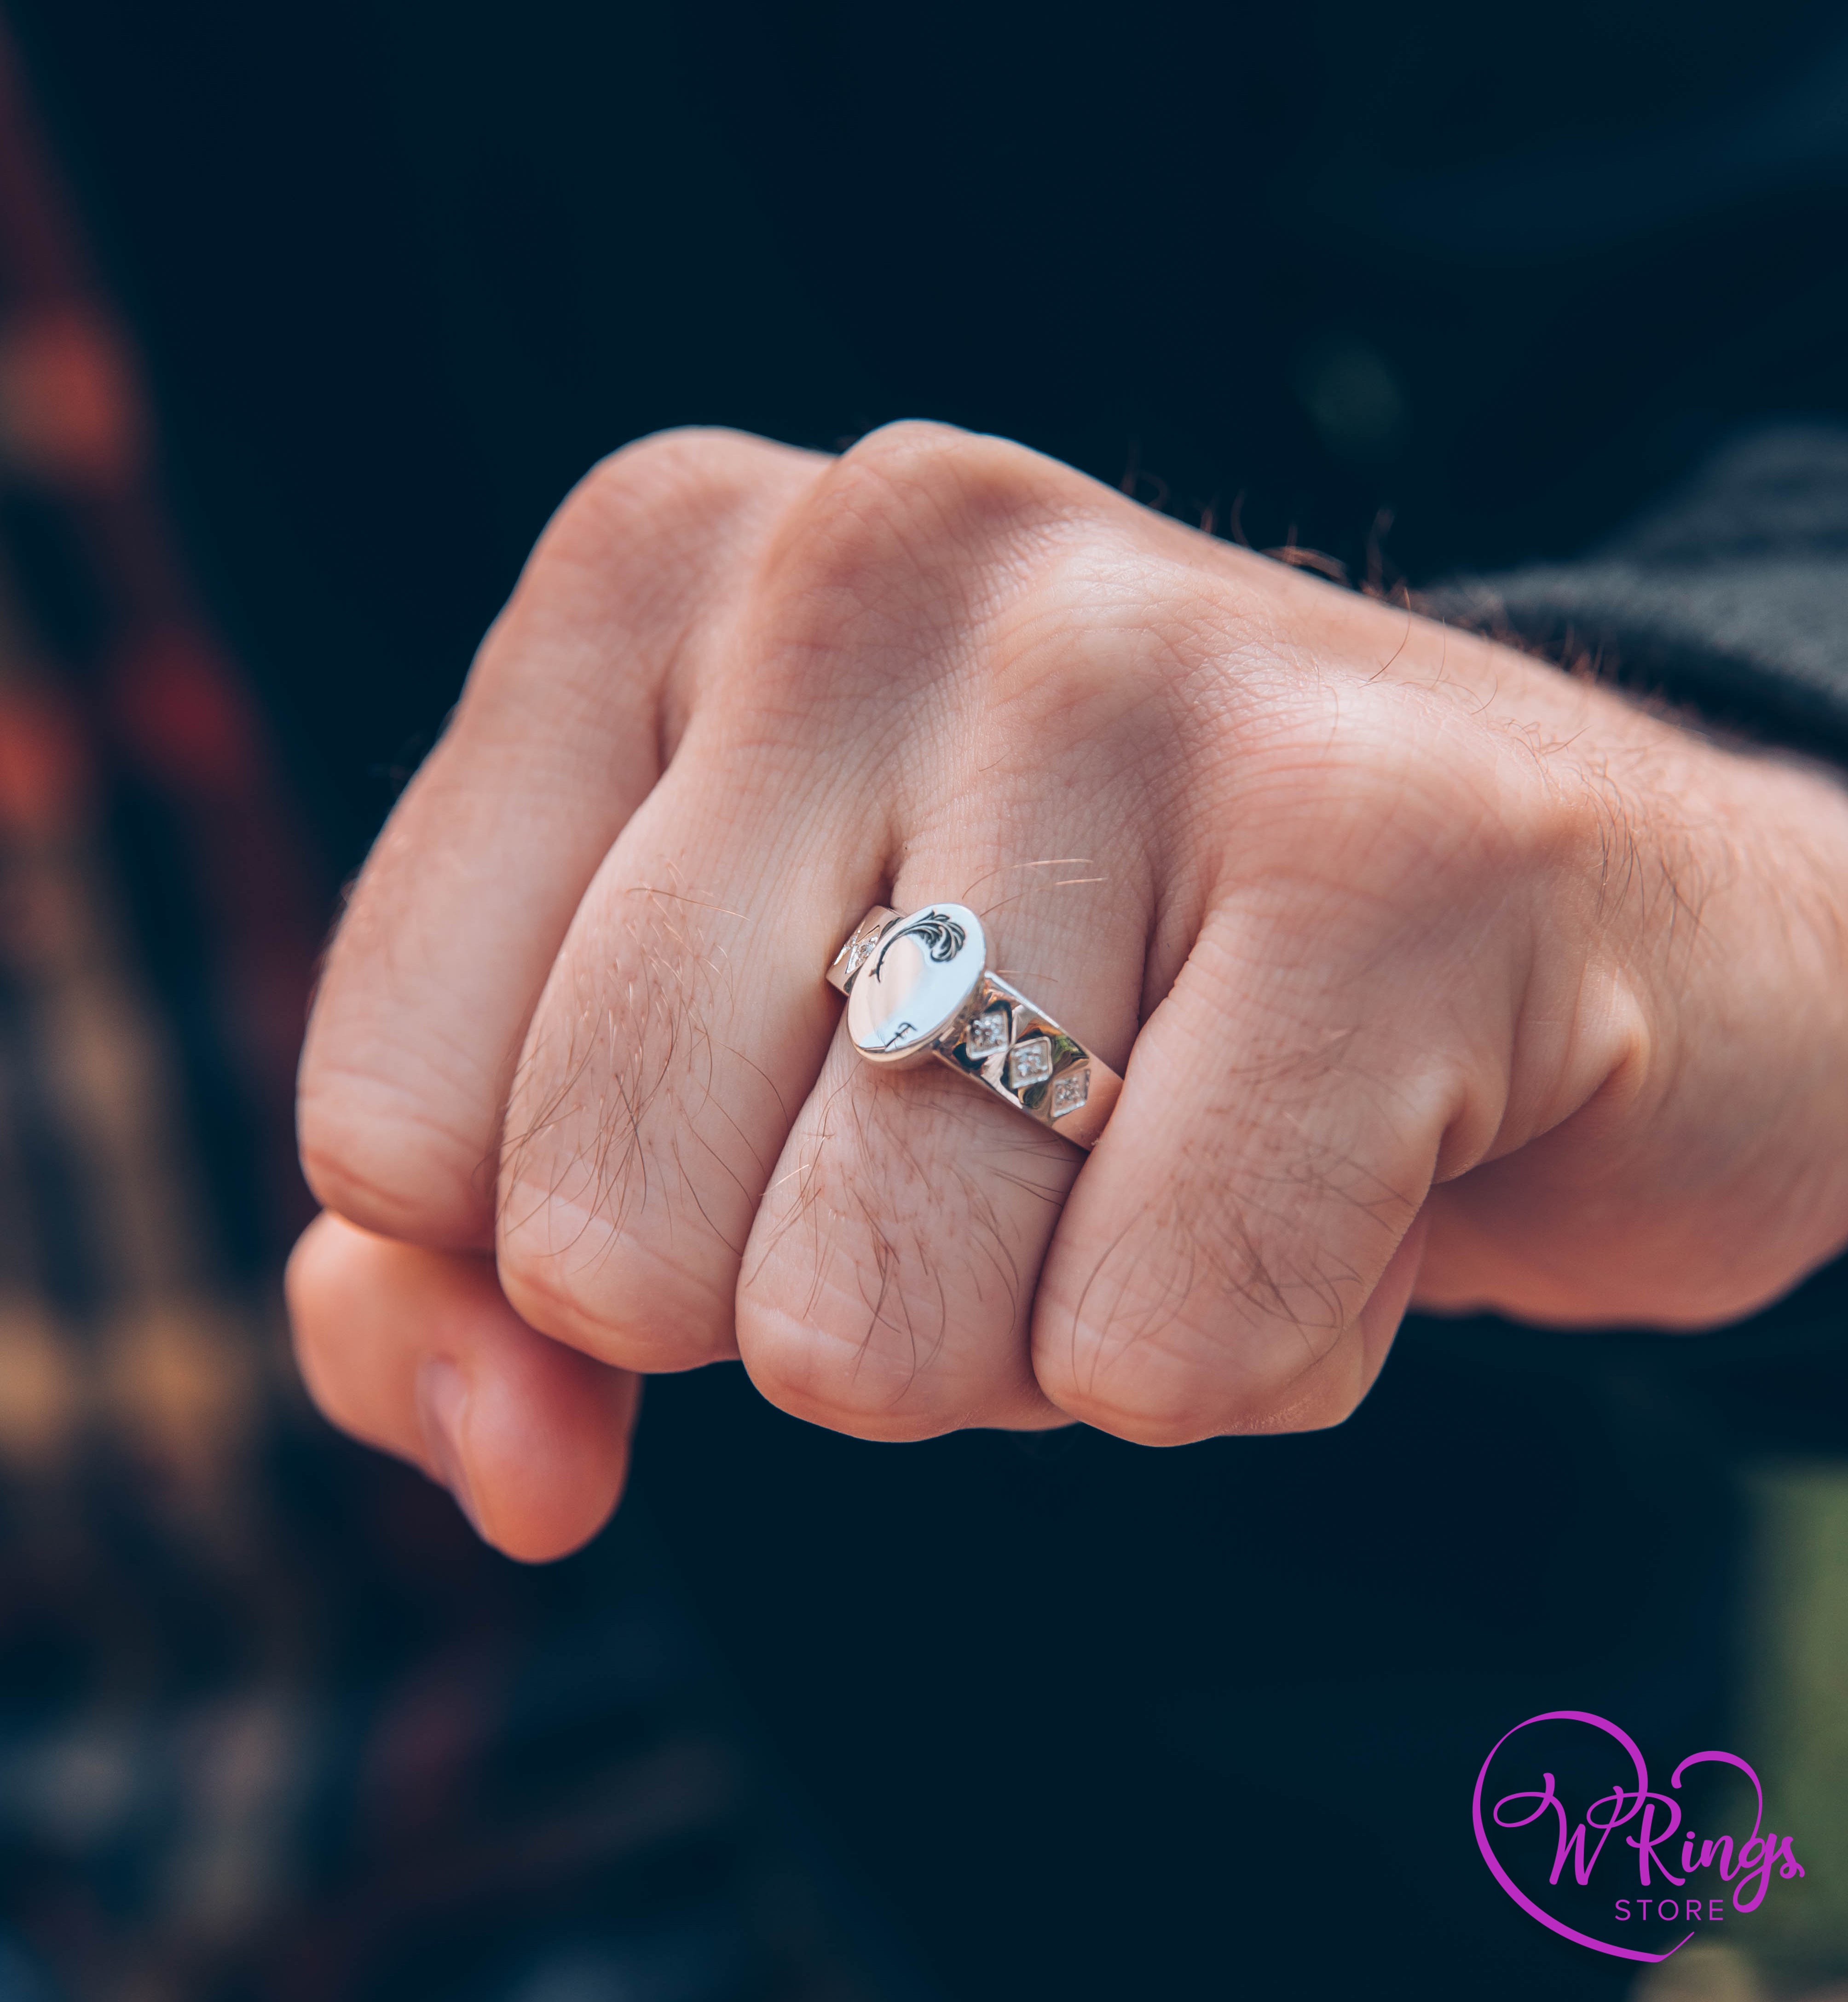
[919,987]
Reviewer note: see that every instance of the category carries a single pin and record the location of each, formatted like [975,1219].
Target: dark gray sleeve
[1730,596]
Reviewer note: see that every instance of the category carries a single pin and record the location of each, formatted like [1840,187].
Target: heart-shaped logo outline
[1630,1744]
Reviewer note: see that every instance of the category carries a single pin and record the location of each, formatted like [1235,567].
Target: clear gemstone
[987,1034]
[1070,1091]
[1031,1063]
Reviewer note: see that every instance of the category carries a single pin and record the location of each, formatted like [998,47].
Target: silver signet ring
[919,987]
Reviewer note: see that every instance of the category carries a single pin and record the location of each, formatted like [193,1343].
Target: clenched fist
[1432,972]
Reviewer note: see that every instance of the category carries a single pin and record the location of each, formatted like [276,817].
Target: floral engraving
[944,938]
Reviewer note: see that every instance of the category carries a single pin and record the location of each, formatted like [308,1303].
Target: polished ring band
[919,987]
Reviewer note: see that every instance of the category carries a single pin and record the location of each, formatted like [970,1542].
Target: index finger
[459,912]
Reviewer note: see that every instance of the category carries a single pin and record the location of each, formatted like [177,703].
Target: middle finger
[847,756]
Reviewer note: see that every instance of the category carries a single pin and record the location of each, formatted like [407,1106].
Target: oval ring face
[924,969]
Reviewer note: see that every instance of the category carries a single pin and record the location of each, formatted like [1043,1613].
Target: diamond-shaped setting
[1031,1063]
[987,1034]
[1070,1090]
[863,942]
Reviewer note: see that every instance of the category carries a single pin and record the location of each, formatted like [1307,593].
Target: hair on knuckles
[839,1235]
[1273,1252]
[610,1065]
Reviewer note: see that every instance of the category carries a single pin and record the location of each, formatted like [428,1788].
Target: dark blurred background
[311,316]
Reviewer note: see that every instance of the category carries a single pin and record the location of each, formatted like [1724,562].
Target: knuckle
[601,1292]
[1168,1339]
[659,480]
[899,539]
[550,1296]
[938,462]
[1403,793]
[830,1376]
[1077,656]
[1190,1383]
[642,540]
[372,1152]
[914,485]
[1145,1397]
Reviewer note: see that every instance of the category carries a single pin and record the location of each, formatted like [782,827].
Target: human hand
[1444,971]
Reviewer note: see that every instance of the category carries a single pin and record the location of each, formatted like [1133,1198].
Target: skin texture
[1447,975]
